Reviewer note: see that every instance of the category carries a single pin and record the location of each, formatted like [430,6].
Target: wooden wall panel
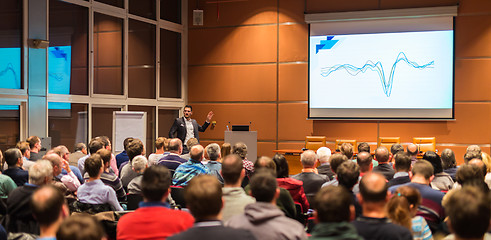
[291,145]
[293,82]
[232,83]
[471,79]
[235,13]
[471,126]
[291,11]
[323,6]
[474,6]
[262,116]
[294,42]
[390,4]
[265,149]
[292,122]
[473,36]
[359,130]
[232,45]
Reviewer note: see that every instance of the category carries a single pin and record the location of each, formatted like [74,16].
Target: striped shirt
[420,229]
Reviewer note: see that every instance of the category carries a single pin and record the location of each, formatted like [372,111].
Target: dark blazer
[19,175]
[311,182]
[399,181]
[179,127]
[385,169]
[326,170]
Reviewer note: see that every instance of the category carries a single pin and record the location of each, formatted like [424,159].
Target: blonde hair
[487,161]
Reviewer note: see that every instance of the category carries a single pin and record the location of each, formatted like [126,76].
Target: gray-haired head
[139,163]
[308,159]
[213,151]
[323,154]
[41,172]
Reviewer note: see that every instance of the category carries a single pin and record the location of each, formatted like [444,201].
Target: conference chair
[315,142]
[425,143]
[388,141]
[339,142]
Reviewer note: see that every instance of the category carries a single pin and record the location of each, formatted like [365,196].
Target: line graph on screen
[378,68]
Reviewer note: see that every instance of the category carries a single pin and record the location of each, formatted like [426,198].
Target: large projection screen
[382,69]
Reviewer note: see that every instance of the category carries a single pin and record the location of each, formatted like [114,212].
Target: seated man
[19,214]
[263,218]
[26,154]
[49,208]
[402,164]
[469,214]
[373,224]
[312,181]
[154,219]
[204,198]
[333,214]
[135,148]
[173,160]
[324,169]
[95,191]
[13,157]
[109,178]
[383,157]
[80,227]
[94,145]
[213,152]
[140,163]
[69,182]
[186,171]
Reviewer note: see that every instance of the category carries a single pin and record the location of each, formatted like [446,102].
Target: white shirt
[189,130]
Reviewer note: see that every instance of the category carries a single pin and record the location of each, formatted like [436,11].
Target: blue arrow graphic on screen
[377,67]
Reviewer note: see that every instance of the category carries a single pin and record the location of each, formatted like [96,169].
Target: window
[67,124]
[170,64]
[141,60]
[10,44]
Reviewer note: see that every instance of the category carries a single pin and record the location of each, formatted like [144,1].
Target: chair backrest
[177,193]
[425,143]
[340,142]
[388,141]
[134,200]
[315,142]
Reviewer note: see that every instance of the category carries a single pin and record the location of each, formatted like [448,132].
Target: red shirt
[155,222]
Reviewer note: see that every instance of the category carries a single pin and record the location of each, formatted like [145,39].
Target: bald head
[382,154]
[175,146]
[46,204]
[364,160]
[308,159]
[480,164]
[196,152]
[412,149]
[373,187]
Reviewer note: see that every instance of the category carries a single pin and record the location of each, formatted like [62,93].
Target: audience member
[189,144]
[402,164]
[333,214]
[383,156]
[374,224]
[441,181]
[188,170]
[469,155]
[135,148]
[285,200]
[204,199]
[324,154]
[448,163]
[431,206]
[94,145]
[173,159]
[486,159]
[240,149]
[402,209]
[140,163]
[225,150]
[95,191]
[108,178]
[49,209]
[468,175]
[19,214]
[154,219]
[413,150]
[294,187]
[347,150]
[263,218]
[113,163]
[35,145]
[364,160]
[348,175]
[363,147]
[6,183]
[312,181]
[154,158]
[234,196]
[69,181]
[335,160]
[473,148]
[80,150]
[64,153]
[469,214]
[14,159]
[80,227]
[25,150]
[213,152]
[396,148]
[122,157]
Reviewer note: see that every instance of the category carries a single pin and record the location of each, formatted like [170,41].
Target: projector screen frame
[378,118]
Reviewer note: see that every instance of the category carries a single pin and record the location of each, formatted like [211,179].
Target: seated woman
[442,181]
[295,187]
[402,209]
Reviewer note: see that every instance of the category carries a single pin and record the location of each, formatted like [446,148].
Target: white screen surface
[382,75]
